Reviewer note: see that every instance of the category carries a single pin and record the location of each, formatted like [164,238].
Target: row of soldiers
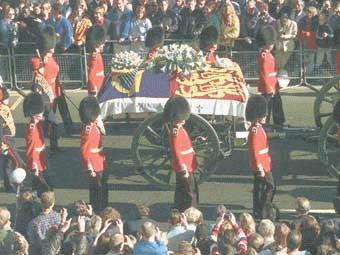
[47,95]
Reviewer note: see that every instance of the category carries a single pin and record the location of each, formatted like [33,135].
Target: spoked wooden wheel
[329,149]
[325,100]
[152,156]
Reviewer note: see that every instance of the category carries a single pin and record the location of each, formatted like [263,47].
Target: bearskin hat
[47,39]
[95,37]
[89,109]
[336,112]
[176,108]
[208,37]
[33,104]
[269,35]
[256,108]
[3,94]
[154,37]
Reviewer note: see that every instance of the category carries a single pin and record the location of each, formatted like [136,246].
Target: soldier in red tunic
[153,41]
[268,83]
[49,69]
[11,159]
[184,162]
[35,144]
[259,157]
[91,151]
[208,44]
[95,40]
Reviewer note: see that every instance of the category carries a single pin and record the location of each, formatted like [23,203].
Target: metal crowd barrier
[15,63]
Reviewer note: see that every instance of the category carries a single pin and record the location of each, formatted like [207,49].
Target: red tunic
[35,145]
[95,73]
[258,148]
[91,148]
[183,154]
[267,83]
[51,74]
[338,133]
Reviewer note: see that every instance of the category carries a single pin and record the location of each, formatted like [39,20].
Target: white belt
[188,151]
[272,74]
[100,73]
[96,150]
[40,149]
[264,151]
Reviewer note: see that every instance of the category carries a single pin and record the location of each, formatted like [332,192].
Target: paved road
[296,168]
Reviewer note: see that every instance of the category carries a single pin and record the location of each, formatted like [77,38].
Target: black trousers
[61,103]
[11,160]
[41,183]
[186,193]
[99,192]
[263,192]
[275,106]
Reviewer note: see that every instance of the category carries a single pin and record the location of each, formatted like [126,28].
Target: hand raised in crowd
[119,224]
[81,224]
[63,215]
[184,220]
[66,225]
[89,210]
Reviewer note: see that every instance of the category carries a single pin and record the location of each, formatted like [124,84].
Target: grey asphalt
[297,169]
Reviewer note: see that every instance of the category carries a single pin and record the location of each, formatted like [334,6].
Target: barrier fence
[304,66]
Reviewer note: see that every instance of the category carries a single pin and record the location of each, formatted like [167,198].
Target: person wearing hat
[95,40]
[259,156]
[268,84]
[91,152]
[49,70]
[35,145]
[11,158]
[153,41]
[184,162]
[42,87]
[208,44]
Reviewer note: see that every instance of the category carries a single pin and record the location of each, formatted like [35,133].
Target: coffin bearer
[35,145]
[11,159]
[91,152]
[153,41]
[95,40]
[184,162]
[259,156]
[268,83]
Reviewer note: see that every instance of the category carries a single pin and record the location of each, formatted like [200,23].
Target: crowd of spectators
[37,228]
[314,23]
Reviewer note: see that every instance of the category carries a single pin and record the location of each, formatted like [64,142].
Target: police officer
[268,83]
[95,40]
[184,162]
[91,151]
[259,156]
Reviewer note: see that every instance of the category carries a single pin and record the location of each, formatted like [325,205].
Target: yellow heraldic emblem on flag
[216,83]
[121,77]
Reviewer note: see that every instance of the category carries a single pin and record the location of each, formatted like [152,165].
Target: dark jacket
[191,24]
[326,42]
[166,19]
[121,22]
